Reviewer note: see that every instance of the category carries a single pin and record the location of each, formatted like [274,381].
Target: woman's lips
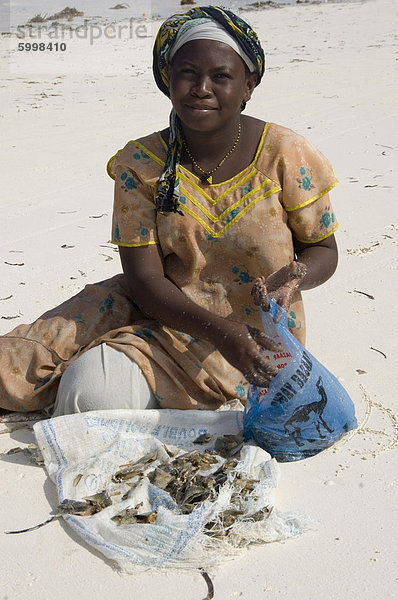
[203,108]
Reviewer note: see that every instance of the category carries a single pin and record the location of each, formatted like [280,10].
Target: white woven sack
[95,444]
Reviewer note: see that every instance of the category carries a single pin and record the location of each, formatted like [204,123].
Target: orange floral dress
[229,233]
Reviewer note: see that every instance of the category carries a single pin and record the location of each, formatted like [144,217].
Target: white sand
[330,77]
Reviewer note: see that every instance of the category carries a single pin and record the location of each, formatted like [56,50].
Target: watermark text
[87,31]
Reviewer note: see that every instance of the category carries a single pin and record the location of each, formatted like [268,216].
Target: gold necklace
[206,177]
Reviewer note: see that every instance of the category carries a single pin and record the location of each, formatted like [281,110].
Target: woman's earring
[242,106]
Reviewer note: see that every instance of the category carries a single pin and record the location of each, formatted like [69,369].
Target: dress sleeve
[307,178]
[134,213]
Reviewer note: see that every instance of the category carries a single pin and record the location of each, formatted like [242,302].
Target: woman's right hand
[240,347]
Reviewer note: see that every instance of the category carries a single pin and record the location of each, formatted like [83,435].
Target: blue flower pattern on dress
[129,183]
[292,322]
[327,219]
[79,318]
[142,230]
[240,390]
[144,334]
[247,188]
[142,156]
[243,274]
[211,239]
[106,305]
[305,180]
[116,236]
[41,382]
[190,339]
[232,215]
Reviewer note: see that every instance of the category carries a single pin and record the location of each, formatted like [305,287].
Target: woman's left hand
[314,265]
[279,286]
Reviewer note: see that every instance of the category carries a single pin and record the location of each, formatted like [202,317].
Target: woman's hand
[314,264]
[161,300]
[279,286]
[239,345]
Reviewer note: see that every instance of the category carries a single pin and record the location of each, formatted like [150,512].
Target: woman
[201,209]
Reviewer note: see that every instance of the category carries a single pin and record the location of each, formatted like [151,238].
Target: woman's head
[205,23]
[208,62]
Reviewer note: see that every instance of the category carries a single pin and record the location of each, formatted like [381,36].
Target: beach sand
[331,78]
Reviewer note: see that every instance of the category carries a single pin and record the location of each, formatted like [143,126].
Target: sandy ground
[330,77]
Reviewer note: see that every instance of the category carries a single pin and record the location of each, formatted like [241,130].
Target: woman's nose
[202,86]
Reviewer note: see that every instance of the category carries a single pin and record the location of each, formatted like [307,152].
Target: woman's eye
[222,76]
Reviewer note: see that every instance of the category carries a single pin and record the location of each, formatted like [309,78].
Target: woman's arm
[320,260]
[163,301]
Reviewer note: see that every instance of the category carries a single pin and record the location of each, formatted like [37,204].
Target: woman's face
[208,83]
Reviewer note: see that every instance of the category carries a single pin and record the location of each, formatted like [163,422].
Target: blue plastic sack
[305,409]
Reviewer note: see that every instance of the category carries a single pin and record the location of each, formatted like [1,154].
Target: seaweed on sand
[38,19]
[67,13]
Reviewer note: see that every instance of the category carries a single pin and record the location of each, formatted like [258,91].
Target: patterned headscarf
[168,193]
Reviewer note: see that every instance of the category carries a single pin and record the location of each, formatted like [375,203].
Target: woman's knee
[82,385]
[102,378]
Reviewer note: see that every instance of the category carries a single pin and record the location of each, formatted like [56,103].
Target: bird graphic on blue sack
[304,413]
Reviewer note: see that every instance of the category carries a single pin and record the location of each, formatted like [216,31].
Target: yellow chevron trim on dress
[212,185]
[234,220]
[327,190]
[252,203]
[225,212]
[254,170]
[134,245]
[231,189]
[319,239]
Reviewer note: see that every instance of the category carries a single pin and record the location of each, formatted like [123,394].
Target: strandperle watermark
[87,31]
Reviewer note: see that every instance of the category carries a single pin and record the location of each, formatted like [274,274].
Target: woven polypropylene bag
[83,451]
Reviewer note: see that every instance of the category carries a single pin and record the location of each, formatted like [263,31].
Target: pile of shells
[190,479]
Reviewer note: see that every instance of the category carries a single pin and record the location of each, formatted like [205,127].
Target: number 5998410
[41,46]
